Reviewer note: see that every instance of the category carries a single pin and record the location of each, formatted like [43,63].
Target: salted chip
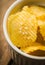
[37,11]
[42,30]
[41,24]
[42,18]
[27,8]
[33,47]
[10,19]
[42,48]
[30,49]
[22,28]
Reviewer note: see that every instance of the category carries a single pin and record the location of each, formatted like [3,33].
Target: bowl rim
[7,37]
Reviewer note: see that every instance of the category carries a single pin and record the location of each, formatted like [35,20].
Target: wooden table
[4,48]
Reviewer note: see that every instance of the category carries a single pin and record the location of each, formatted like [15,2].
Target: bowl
[19,56]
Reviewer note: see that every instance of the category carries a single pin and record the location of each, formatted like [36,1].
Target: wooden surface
[5,54]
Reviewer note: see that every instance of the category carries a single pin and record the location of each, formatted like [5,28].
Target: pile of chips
[22,28]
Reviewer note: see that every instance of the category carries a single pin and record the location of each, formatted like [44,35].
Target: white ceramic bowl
[17,5]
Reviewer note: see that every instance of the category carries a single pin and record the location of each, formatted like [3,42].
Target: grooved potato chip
[23,28]
[41,23]
[37,11]
[42,30]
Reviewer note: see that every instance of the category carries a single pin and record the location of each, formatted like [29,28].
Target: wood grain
[5,54]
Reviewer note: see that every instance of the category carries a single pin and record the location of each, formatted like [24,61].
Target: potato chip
[42,30]
[30,49]
[37,11]
[36,46]
[41,23]
[23,28]
[33,47]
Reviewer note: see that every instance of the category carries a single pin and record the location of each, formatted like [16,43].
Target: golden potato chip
[23,28]
[41,18]
[34,47]
[37,11]
[42,30]
[31,48]
[41,23]
[42,48]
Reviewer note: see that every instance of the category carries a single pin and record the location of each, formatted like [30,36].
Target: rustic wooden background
[4,48]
